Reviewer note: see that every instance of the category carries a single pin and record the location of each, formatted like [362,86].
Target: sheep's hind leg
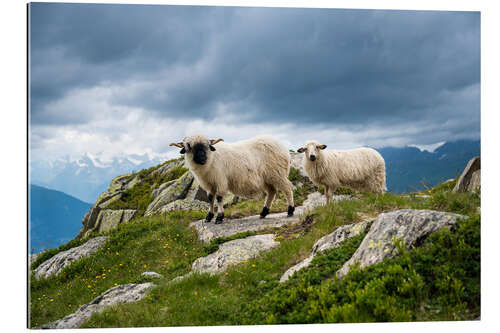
[220,210]
[271,194]
[287,187]
[211,199]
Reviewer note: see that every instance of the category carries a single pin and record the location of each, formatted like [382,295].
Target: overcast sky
[117,79]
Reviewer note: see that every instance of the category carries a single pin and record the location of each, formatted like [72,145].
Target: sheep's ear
[301,150]
[183,150]
[212,148]
[212,142]
[322,147]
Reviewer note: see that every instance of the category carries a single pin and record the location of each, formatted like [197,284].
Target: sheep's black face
[200,153]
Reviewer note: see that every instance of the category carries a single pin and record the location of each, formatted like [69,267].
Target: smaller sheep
[247,168]
[361,169]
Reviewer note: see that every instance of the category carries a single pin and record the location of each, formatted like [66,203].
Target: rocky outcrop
[470,179]
[117,295]
[177,190]
[196,192]
[297,162]
[209,231]
[109,219]
[165,169]
[114,192]
[32,258]
[234,252]
[160,189]
[57,263]
[185,204]
[409,226]
[329,241]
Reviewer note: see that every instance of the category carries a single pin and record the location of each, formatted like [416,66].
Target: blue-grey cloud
[353,68]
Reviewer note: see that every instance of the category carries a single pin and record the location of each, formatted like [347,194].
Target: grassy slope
[250,293]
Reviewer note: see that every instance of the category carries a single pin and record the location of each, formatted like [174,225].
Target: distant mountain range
[85,178]
[54,217]
[410,169]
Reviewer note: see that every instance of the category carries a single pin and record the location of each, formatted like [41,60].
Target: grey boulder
[57,263]
[329,241]
[177,190]
[117,295]
[234,252]
[409,226]
[470,179]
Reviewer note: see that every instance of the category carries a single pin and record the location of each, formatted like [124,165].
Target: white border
[13,55]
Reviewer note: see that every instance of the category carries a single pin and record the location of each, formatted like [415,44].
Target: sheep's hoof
[264,212]
[209,217]
[291,209]
[219,218]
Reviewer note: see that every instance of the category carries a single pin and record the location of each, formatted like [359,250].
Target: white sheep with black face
[360,169]
[246,168]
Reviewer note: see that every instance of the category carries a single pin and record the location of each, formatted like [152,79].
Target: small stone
[152,275]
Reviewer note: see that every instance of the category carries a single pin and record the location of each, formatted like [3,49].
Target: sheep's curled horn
[180,145]
[212,142]
[183,150]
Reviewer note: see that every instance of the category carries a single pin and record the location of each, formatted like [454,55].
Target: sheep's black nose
[312,157]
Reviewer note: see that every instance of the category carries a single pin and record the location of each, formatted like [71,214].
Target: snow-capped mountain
[88,176]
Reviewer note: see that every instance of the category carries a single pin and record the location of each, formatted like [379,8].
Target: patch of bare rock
[234,252]
[329,241]
[57,263]
[209,231]
[117,295]
[470,179]
[410,226]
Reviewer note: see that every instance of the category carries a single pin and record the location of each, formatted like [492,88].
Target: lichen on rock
[408,226]
[234,252]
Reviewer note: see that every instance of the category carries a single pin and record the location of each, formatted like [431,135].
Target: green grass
[439,281]
[164,244]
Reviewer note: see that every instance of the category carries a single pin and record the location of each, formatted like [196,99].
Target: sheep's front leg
[220,210]
[329,193]
[211,200]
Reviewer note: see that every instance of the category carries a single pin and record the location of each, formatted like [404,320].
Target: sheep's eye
[189,146]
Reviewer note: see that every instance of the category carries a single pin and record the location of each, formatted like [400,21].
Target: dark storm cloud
[350,67]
